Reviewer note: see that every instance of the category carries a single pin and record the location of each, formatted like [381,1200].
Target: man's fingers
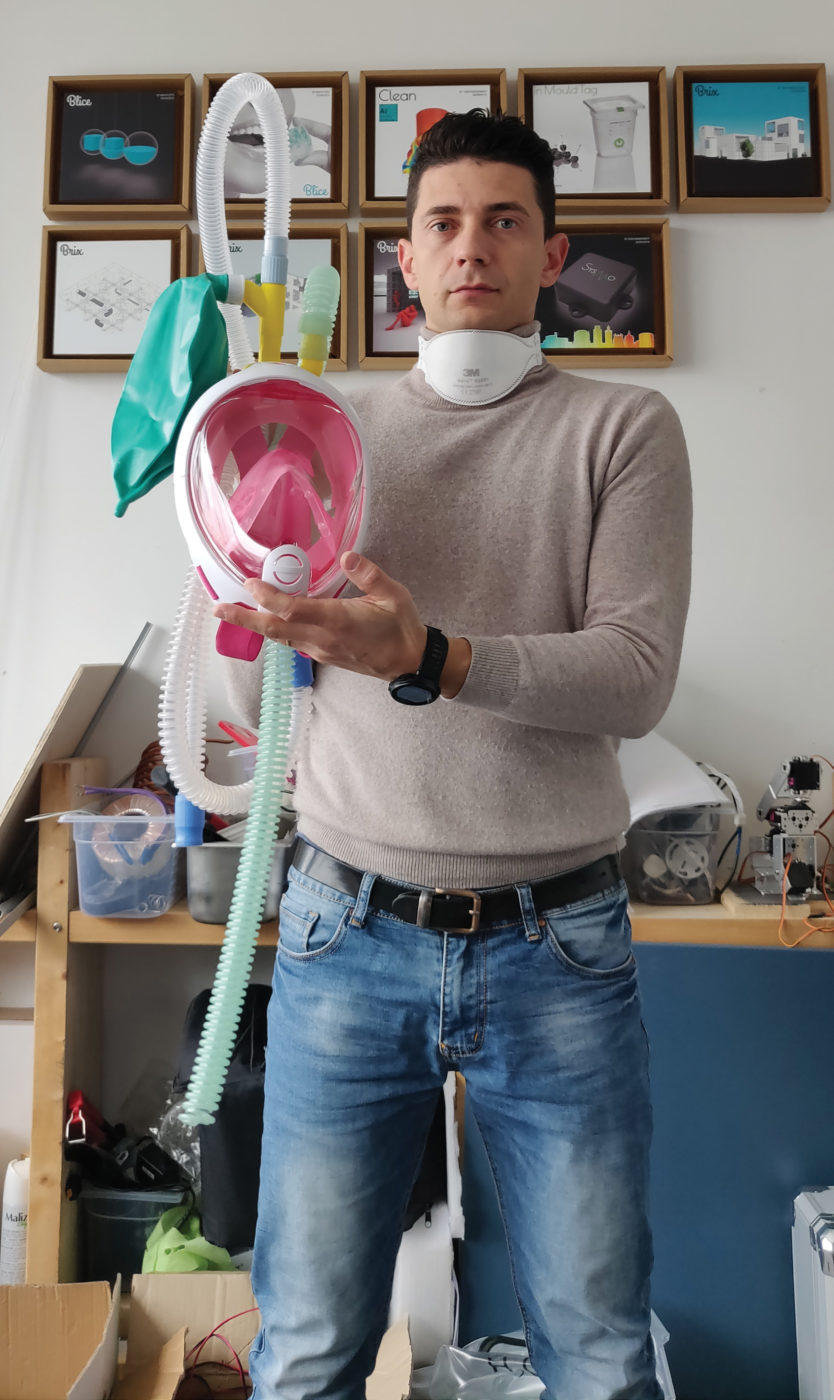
[370,578]
[278,615]
[267,596]
[287,607]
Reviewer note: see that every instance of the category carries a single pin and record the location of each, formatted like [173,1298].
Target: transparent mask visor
[276,462]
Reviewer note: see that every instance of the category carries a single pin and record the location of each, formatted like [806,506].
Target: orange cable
[810,928]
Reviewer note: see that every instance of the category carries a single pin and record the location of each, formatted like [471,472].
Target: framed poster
[310,246]
[608,129]
[612,301]
[119,147]
[97,288]
[395,112]
[752,138]
[316,108]
[391,316]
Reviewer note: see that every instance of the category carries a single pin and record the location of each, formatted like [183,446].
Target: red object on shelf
[84,1122]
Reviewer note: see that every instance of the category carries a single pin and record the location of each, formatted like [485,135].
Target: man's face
[477,252]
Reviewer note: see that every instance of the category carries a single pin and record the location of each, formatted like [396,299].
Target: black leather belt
[458,911]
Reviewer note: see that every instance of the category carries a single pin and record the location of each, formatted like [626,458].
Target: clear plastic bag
[180,1140]
[498,1368]
[489,1367]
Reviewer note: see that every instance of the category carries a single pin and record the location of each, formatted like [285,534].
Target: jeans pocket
[308,933]
[592,937]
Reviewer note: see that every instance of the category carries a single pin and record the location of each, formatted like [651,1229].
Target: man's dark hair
[477,135]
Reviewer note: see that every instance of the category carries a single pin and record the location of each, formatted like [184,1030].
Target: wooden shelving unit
[68,1005]
[68,991]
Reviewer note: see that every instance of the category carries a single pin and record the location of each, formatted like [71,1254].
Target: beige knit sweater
[552,529]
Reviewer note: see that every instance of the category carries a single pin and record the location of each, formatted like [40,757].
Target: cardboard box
[170,1314]
[60,1341]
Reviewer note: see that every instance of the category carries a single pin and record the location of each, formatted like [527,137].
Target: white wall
[17,963]
[753,299]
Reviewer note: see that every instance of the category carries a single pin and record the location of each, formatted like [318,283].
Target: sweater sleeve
[616,675]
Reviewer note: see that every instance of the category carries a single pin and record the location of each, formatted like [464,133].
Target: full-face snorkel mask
[270,481]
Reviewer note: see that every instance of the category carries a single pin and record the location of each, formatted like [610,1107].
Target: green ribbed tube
[319,305]
[246,913]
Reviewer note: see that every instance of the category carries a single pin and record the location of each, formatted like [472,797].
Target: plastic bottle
[15,1222]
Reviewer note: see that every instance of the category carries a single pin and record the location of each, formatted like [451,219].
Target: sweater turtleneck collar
[522,331]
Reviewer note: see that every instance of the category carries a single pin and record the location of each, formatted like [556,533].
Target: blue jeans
[368,1015]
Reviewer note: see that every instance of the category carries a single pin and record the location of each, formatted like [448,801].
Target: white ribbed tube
[182,706]
[211,154]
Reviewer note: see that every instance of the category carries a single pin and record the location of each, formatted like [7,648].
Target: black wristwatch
[422,686]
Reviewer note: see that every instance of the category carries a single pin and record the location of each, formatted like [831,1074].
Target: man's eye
[440,226]
[506,223]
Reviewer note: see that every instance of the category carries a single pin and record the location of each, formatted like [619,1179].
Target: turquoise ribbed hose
[237,953]
[319,306]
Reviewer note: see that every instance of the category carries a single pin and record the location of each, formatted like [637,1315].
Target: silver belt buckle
[424,909]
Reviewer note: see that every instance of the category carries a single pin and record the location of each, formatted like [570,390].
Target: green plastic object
[182,353]
[175,1246]
[217,1039]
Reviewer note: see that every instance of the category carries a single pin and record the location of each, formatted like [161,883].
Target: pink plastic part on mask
[275,497]
[204,581]
[240,643]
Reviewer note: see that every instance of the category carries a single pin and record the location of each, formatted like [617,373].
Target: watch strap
[434,656]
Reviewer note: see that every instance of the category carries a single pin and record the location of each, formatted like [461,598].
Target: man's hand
[379,634]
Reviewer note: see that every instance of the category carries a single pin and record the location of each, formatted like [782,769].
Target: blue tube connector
[189,821]
[302,671]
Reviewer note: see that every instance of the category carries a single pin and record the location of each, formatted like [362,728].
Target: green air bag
[183,351]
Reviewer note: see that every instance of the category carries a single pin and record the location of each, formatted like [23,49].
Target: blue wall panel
[742,1046]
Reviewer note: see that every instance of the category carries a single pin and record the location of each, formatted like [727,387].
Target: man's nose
[471,247]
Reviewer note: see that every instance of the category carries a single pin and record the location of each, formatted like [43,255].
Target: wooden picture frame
[764,163]
[608,155]
[97,288]
[119,147]
[386,307]
[319,162]
[612,303]
[388,100]
[335,236]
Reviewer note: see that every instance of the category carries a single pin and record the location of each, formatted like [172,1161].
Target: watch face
[412,692]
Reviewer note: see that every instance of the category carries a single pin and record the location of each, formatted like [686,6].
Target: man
[541,523]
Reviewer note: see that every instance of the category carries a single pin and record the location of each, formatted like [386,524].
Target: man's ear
[556,250]
[405,258]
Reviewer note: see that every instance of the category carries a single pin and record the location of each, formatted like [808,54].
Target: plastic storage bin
[672,857]
[210,877]
[242,762]
[127,865]
[116,1225]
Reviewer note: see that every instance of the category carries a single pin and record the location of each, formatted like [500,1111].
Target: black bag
[230,1147]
